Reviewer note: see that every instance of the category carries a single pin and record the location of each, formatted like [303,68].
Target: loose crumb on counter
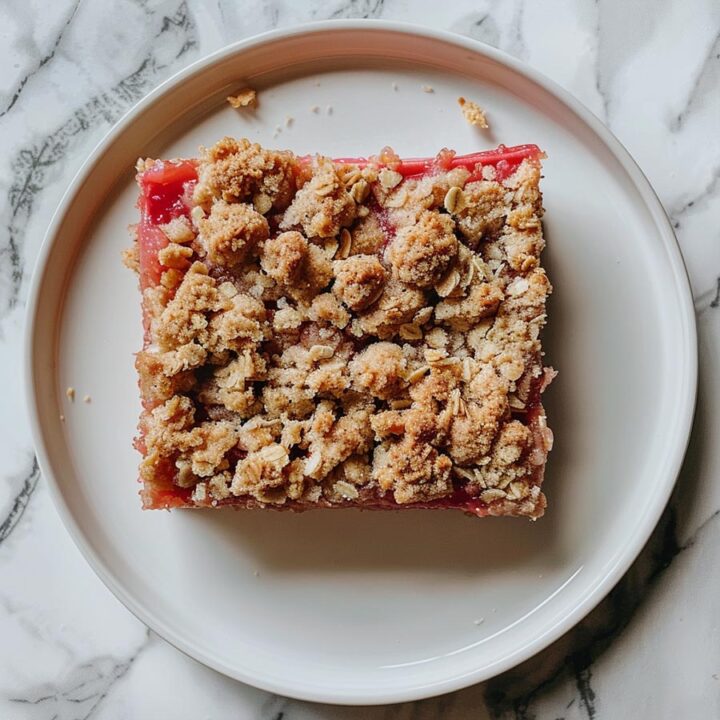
[428,89]
[70,392]
[473,113]
[87,399]
[315,108]
[247,97]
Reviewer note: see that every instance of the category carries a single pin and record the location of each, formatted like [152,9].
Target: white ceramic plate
[354,607]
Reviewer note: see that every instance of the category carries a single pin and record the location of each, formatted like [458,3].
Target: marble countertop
[650,70]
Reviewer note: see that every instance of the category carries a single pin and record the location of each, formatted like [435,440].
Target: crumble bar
[342,333]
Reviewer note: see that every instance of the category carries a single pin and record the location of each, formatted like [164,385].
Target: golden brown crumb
[70,392]
[178,230]
[330,378]
[428,89]
[379,370]
[238,170]
[247,97]
[142,164]
[300,267]
[325,308]
[232,232]
[284,256]
[412,197]
[175,256]
[263,474]
[287,319]
[463,312]
[131,258]
[171,278]
[168,425]
[231,386]
[210,441]
[367,236]
[388,423]
[355,470]
[412,470]
[334,440]
[158,382]
[322,206]
[286,390]
[257,432]
[473,113]
[421,253]
[359,280]
[397,305]
[238,320]
[473,431]
[483,214]
[186,357]
[184,318]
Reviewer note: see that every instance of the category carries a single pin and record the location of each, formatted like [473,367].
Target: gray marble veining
[650,70]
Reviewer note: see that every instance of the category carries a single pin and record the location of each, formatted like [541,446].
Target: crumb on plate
[247,97]
[473,113]
[130,256]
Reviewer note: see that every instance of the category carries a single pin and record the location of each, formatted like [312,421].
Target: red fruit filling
[165,188]
[505,160]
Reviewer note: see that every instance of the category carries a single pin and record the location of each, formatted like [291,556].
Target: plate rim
[646,523]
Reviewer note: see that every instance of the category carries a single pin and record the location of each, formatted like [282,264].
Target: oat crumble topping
[333,333]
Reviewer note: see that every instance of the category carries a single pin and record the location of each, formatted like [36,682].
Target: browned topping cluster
[326,333]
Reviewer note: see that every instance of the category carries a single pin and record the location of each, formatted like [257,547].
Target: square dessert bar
[342,333]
